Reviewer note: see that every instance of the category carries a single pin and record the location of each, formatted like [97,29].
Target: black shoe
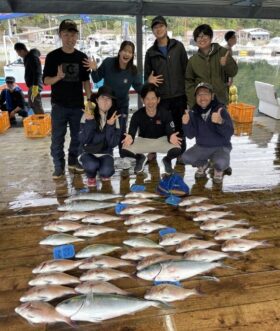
[180,160]
[167,165]
[78,168]
[58,173]
[228,171]
[140,163]
[72,161]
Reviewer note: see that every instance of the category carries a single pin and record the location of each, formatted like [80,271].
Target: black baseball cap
[204,85]
[68,25]
[158,20]
[10,79]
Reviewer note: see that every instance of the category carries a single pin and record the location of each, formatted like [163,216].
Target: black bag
[96,148]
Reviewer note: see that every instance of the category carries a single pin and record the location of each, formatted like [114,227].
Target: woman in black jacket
[99,134]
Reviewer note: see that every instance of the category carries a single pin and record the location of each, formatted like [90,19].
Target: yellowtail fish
[85,205]
[96,249]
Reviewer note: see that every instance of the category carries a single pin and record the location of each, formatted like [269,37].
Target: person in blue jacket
[210,124]
[99,134]
[120,74]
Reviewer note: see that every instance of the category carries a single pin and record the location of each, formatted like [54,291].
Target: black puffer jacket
[33,68]
[172,68]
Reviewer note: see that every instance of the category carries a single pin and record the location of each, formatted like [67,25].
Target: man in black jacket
[32,76]
[165,66]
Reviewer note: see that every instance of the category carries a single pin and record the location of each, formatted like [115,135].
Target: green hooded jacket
[207,68]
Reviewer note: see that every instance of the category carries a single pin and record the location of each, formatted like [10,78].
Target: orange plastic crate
[241,112]
[37,126]
[4,121]
[243,129]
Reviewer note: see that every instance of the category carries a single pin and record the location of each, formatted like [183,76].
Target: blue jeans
[61,117]
[91,164]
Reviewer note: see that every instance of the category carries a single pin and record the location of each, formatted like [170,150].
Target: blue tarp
[10,16]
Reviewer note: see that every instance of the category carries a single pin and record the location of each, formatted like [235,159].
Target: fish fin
[209,278]
[265,243]
[161,305]
[224,266]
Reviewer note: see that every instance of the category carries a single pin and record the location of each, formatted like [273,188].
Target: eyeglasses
[202,36]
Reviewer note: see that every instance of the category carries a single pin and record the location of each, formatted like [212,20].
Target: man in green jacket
[211,64]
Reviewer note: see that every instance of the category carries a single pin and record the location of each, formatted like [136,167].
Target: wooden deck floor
[247,296]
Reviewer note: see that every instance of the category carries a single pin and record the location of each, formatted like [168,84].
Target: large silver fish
[169,293]
[99,286]
[46,293]
[97,196]
[60,265]
[59,239]
[100,218]
[141,242]
[136,219]
[176,270]
[41,312]
[175,238]
[214,225]
[85,205]
[97,307]
[233,233]
[55,278]
[153,259]
[96,249]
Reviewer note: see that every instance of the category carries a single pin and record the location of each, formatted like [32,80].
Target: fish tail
[244,221]
[265,243]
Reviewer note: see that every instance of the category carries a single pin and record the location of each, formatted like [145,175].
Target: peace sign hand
[113,118]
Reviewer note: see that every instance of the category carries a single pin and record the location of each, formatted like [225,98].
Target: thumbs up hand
[223,59]
[186,117]
[216,117]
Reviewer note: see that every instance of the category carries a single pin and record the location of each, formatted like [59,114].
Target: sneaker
[152,156]
[167,165]
[91,182]
[58,173]
[201,171]
[140,163]
[79,168]
[218,176]
[105,179]
[228,171]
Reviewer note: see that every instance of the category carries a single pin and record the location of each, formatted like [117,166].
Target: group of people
[181,98]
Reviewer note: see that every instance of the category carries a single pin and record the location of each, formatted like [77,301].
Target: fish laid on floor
[141,195]
[99,218]
[190,244]
[141,242]
[214,225]
[62,226]
[92,230]
[55,278]
[41,312]
[135,201]
[203,207]
[145,227]
[105,274]
[46,293]
[85,205]
[175,238]
[93,196]
[59,239]
[138,253]
[59,265]
[135,210]
[136,219]
[169,293]
[209,215]
[99,286]
[96,307]
[205,255]
[233,233]
[176,270]
[191,201]
[96,249]
[104,261]
[152,259]
[242,245]
[73,216]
